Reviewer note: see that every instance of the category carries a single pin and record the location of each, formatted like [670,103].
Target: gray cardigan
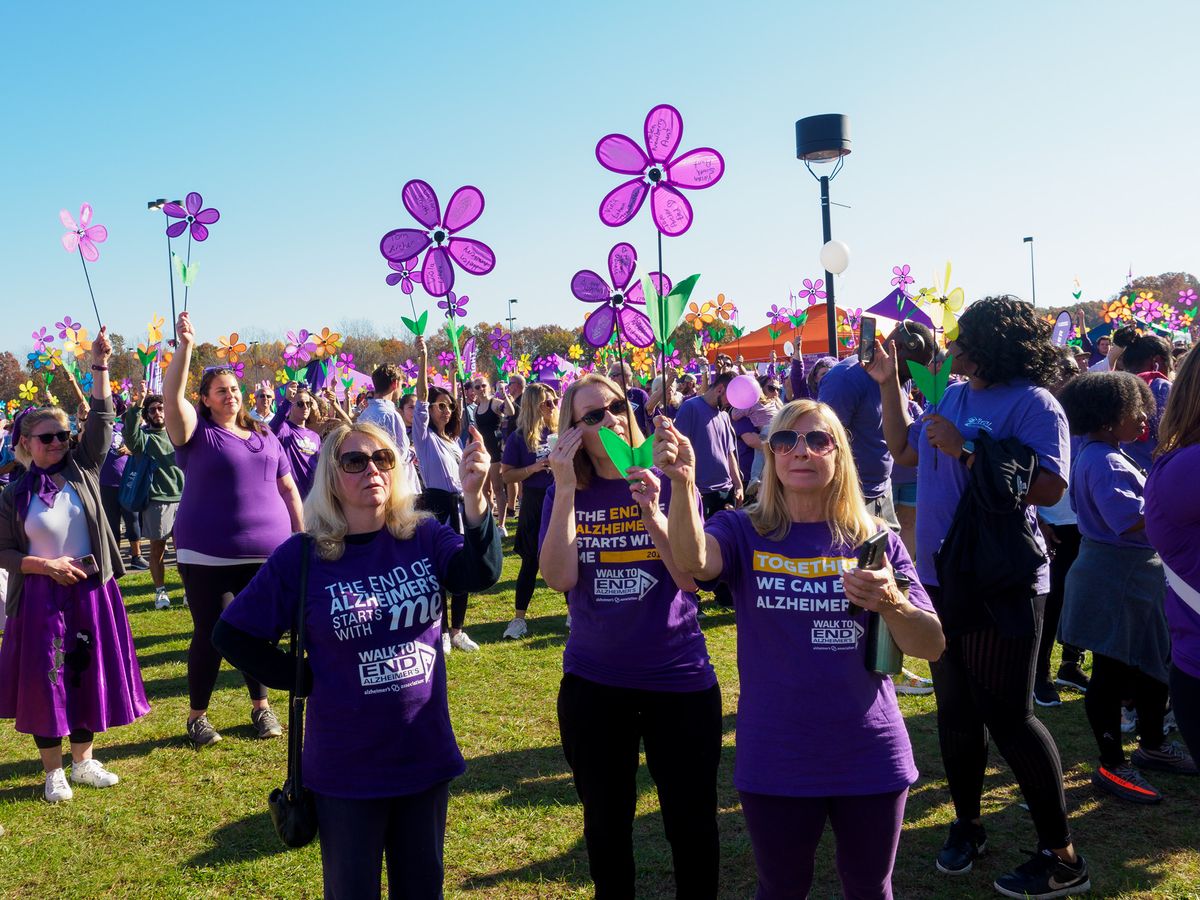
[83,474]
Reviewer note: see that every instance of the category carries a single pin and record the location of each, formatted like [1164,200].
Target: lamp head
[156,204]
[822,139]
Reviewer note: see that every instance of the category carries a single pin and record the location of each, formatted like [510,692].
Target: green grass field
[194,824]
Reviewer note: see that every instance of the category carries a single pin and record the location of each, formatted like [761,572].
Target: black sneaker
[1170,757]
[1126,782]
[138,563]
[201,732]
[1046,694]
[1045,876]
[965,844]
[1072,676]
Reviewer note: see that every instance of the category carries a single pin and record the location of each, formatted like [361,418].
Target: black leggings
[1064,556]
[1113,681]
[1185,700]
[984,685]
[209,590]
[77,736]
[447,509]
[116,514]
[528,526]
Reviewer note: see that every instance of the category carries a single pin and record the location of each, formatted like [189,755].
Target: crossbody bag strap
[295,699]
[1184,591]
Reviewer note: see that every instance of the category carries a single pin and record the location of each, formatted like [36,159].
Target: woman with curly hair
[984,681]
[1114,597]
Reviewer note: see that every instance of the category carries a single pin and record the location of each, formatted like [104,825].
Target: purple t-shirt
[745,453]
[1142,450]
[231,508]
[1173,526]
[1107,495]
[711,434]
[813,720]
[518,455]
[855,397]
[1020,410]
[373,636]
[115,462]
[301,446]
[631,627]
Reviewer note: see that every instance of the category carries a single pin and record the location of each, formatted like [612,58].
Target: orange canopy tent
[756,346]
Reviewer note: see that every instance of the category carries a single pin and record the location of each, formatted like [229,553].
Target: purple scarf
[40,481]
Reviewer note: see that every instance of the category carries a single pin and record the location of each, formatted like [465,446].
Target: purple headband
[17,420]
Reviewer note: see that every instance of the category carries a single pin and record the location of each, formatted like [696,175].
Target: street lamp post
[157,206]
[819,140]
[511,339]
[1032,274]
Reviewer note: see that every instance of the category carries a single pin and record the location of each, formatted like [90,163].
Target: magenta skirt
[67,660]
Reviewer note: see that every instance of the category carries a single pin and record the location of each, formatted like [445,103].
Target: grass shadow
[249,838]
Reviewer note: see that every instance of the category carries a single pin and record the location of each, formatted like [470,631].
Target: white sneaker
[516,629]
[911,683]
[503,531]
[446,645]
[91,773]
[161,600]
[461,642]
[57,788]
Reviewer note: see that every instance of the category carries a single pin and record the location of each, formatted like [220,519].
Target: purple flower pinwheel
[42,338]
[619,300]
[901,277]
[813,290]
[66,325]
[445,359]
[501,341]
[437,270]
[658,173]
[409,368]
[298,348]
[454,306]
[1187,297]
[404,274]
[83,236]
[778,315]
[192,215]
[345,360]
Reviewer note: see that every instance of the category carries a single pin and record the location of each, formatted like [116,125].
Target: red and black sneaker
[1126,782]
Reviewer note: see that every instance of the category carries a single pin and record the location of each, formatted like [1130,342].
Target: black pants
[1064,556]
[1112,682]
[447,509]
[356,835]
[1185,701]
[77,736]
[528,526]
[116,514]
[713,502]
[602,728]
[209,590]
[984,686]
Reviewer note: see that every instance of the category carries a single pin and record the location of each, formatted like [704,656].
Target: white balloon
[788,349]
[835,257]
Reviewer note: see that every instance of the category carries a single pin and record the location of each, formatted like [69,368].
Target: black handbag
[293,811]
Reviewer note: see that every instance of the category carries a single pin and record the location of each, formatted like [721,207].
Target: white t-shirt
[61,530]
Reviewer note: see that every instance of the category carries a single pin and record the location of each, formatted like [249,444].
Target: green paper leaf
[716,332]
[774,333]
[292,374]
[187,274]
[738,332]
[416,327]
[348,382]
[148,357]
[453,333]
[667,312]
[622,455]
[799,320]
[932,385]
[1076,294]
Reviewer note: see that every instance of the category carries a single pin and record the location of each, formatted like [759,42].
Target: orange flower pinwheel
[700,317]
[1116,310]
[230,348]
[76,342]
[724,308]
[328,342]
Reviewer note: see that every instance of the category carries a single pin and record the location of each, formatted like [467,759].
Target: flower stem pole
[624,384]
[188,262]
[662,325]
[171,282]
[83,262]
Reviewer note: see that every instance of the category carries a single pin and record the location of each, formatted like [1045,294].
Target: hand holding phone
[871,551]
[866,340]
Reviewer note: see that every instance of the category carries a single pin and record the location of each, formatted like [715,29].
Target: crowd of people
[1045,496]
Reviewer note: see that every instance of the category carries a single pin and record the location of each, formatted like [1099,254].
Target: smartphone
[866,342]
[870,551]
[88,564]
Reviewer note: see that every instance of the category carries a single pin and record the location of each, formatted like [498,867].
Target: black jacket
[987,565]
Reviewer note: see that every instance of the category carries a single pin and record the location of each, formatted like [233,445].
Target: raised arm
[693,551]
[422,369]
[98,430]
[559,556]
[180,415]
[645,487]
[895,417]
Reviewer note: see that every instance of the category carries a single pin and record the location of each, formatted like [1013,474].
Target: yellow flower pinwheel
[942,304]
[575,353]
[1116,310]
[28,391]
[230,348]
[76,342]
[154,328]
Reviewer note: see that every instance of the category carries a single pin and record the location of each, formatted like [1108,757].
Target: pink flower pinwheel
[619,300]
[658,172]
[454,306]
[192,215]
[404,274]
[67,325]
[298,348]
[813,290]
[1187,297]
[902,279]
[83,236]
[440,230]
[779,315]
[41,338]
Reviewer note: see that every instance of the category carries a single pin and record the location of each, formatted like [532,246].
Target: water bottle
[883,654]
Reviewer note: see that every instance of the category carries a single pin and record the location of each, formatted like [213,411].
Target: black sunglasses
[819,443]
[354,461]
[50,437]
[596,416]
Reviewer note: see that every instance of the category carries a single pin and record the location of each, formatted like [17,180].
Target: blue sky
[973,126]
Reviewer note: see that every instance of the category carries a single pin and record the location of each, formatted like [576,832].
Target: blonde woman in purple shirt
[239,503]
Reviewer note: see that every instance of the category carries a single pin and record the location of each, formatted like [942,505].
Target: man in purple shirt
[704,422]
[855,397]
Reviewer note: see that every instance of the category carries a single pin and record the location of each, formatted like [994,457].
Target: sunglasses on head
[354,461]
[596,416]
[819,443]
[51,436]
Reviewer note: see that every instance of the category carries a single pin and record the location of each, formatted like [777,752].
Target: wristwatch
[968,450]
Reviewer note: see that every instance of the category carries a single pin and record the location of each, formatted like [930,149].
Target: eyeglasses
[819,443]
[50,437]
[553,401]
[596,416]
[443,404]
[354,461]
[773,388]
[305,403]
[157,407]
